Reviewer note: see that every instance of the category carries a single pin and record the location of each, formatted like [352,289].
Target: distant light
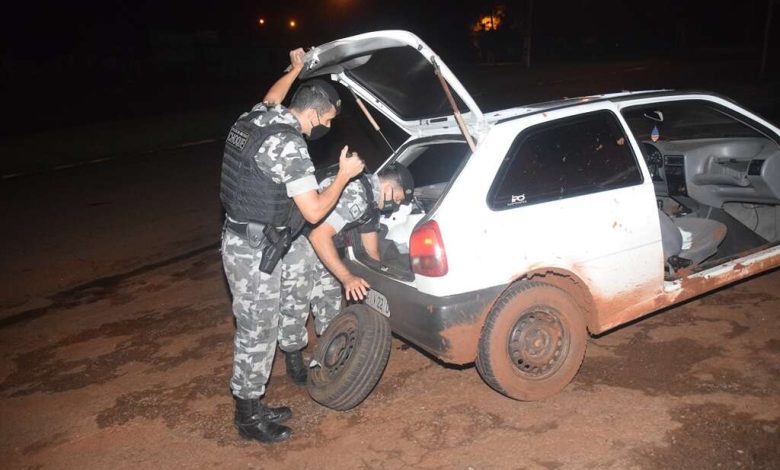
[491,22]
[293,24]
[261,21]
[488,23]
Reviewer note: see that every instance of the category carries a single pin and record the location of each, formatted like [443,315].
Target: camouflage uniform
[306,281]
[256,300]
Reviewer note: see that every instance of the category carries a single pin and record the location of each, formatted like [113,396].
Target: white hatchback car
[535,226]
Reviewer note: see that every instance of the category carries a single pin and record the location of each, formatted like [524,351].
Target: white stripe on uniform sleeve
[336,221]
[302,185]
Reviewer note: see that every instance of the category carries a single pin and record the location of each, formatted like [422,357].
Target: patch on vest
[237,139]
[354,210]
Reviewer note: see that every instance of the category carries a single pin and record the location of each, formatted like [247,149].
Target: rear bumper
[447,327]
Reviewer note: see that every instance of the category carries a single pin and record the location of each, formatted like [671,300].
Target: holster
[277,242]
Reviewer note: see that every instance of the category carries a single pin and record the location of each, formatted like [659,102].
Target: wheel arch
[567,281]
[459,337]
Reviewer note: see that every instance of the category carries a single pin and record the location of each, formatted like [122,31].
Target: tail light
[426,250]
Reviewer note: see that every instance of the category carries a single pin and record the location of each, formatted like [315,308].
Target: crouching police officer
[308,278]
[267,185]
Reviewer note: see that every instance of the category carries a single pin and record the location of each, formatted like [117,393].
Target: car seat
[705,237]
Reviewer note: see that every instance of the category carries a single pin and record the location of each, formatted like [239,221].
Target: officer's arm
[321,239]
[315,206]
[370,241]
[278,90]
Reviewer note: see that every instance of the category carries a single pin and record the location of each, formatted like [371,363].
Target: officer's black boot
[278,414]
[295,368]
[252,423]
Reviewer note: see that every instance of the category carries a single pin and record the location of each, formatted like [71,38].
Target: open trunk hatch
[395,72]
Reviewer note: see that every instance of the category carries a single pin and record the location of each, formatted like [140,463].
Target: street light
[261,21]
[292,24]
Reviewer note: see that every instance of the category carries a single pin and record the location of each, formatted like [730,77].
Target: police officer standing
[268,180]
[312,272]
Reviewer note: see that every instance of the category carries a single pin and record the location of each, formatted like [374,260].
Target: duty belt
[272,241]
[251,231]
[239,228]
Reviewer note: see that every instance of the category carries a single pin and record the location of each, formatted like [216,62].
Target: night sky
[41,30]
[143,56]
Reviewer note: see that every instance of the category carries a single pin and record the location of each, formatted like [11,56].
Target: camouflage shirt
[284,156]
[352,203]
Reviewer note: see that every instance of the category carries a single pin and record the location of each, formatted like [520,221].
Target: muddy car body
[535,226]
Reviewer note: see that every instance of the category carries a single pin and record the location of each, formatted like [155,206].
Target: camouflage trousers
[256,309]
[306,283]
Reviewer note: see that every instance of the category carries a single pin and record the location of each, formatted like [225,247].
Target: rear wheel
[533,342]
[351,356]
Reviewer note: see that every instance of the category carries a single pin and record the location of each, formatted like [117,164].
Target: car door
[571,195]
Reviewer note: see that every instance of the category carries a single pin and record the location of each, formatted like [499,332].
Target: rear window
[436,163]
[569,157]
[406,82]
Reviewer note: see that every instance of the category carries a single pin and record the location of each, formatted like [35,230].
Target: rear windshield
[436,163]
[406,82]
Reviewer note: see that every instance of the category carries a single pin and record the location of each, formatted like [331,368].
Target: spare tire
[350,358]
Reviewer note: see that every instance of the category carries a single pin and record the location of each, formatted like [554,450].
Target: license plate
[378,302]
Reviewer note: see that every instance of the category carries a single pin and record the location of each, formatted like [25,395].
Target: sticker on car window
[517,199]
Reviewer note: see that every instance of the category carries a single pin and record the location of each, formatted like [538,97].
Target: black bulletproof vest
[371,213]
[248,194]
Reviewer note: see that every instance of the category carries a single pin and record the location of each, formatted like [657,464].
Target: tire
[352,354]
[533,342]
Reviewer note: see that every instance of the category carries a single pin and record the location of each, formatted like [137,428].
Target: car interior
[433,164]
[717,181]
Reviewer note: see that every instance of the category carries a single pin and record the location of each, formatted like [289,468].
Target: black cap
[407,182]
[404,177]
[328,89]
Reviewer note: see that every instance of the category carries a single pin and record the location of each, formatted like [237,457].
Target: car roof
[509,114]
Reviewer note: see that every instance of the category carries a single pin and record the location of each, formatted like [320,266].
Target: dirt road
[65,228]
[132,372]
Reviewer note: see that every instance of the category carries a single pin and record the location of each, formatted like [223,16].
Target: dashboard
[715,171]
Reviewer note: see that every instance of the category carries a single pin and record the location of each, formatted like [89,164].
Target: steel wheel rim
[538,343]
[339,349]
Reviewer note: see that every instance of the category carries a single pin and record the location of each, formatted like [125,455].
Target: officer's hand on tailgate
[350,163]
[356,287]
[296,58]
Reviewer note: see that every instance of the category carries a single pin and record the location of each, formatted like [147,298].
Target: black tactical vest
[248,194]
[369,220]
